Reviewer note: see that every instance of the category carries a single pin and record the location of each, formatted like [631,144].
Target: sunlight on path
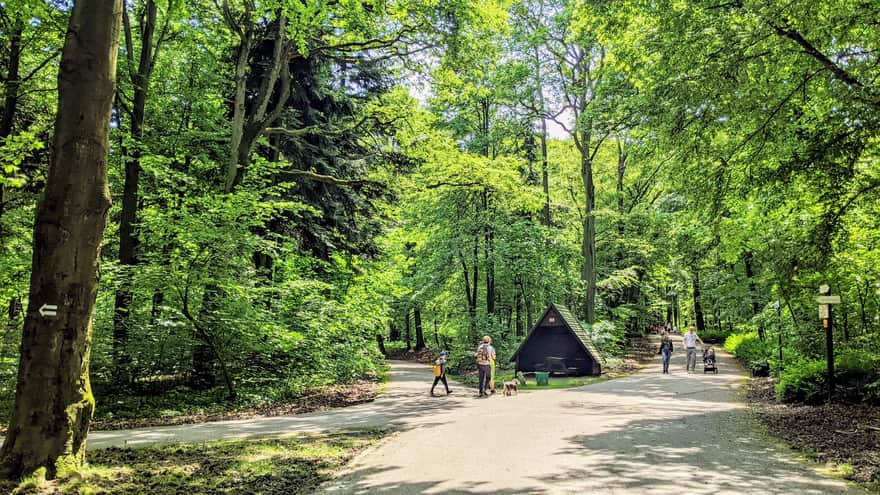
[645,434]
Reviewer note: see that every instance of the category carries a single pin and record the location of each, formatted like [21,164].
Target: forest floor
[182,407]
[847,436]
[321,399]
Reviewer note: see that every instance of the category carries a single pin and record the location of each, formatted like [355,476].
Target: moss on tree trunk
[53,398]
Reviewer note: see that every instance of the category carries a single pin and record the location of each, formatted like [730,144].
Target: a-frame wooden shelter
[558,344]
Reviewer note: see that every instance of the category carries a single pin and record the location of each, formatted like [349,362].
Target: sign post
[826,314]
[778,307]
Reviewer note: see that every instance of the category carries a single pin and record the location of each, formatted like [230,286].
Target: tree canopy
[294,183]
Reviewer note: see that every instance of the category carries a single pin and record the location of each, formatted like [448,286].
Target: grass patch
[470,378]
[295,465]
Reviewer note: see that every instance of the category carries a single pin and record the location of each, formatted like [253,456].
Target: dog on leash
[510,387]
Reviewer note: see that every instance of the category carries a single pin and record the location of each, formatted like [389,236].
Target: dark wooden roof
[573,325]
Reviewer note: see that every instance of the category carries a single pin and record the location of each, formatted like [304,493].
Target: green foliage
[16,150]
[856,374]
[733,170]
[750,349]
[714,336]
[609,337]
[803,381]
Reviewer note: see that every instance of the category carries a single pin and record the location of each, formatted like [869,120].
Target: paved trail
[645,434]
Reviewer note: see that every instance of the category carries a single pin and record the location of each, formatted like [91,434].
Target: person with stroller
[665,351]
[690,345]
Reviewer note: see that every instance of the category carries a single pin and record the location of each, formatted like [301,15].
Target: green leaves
[15,150]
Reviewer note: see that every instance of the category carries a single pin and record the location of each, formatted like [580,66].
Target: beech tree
[53,400]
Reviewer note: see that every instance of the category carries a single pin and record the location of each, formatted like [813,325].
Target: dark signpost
[826,314]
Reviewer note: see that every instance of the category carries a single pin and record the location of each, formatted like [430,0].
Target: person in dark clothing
[440,363]
[665,350]
[485,356]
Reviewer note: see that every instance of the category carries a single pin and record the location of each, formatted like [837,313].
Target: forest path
[404,404]
[644,434]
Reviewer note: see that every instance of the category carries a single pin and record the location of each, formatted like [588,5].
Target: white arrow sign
[48,310]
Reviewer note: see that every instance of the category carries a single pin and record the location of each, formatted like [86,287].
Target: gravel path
[645,434]
[404,404]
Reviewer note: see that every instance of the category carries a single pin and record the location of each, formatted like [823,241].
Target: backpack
[483,353]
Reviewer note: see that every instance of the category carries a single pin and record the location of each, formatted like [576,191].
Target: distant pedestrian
[485,356]
[690,344]
[665,350]
[440,372]
[491,367]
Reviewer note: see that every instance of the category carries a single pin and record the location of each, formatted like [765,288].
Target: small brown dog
[510,388]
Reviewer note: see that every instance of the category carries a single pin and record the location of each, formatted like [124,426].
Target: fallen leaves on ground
[317,400]
[839,433]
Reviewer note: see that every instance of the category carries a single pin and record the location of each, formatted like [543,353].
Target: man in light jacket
[690,344]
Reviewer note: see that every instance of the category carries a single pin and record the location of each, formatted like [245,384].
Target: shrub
[714,336]
[856,373]
[748,348]
[803,381]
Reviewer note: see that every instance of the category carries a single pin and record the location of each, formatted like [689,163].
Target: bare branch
[279,50]
[40,67]
[328,179]
[812,51]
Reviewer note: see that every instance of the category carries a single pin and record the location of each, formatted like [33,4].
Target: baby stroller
[709,360]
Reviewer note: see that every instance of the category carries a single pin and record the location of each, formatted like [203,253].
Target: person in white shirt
[690,345]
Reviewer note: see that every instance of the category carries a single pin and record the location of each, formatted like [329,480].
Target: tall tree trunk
[393,332]
[753,291]
[588,246]
[12,83]
[408,333]
[698,307]
[420,334]
[239,109]
[621,224]
[380,342]
[251,118]
[206,353]
[528,303]
[140,80]
[518,309]
[488,252]
[470,289]
[53,398]
[436,333]
[675,311]
[546,218]
[862,297]
[156,307]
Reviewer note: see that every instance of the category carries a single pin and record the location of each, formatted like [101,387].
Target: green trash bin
[542,378]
